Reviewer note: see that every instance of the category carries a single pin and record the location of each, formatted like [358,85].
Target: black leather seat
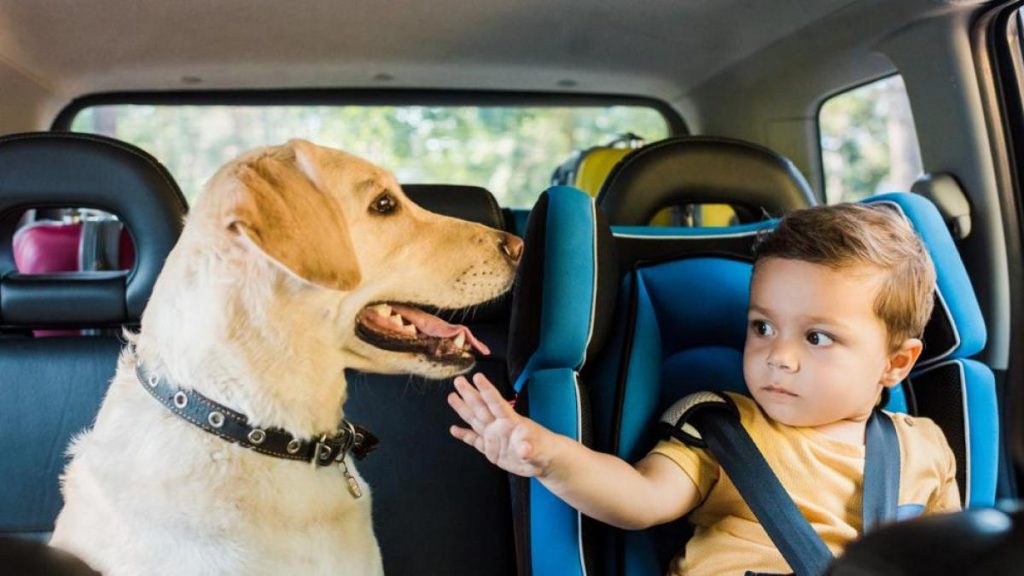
[51,388]
[702,170]
[439,507]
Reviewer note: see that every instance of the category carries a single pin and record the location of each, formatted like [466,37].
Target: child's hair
[846,235]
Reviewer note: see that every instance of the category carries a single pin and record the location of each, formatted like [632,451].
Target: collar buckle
[334,448]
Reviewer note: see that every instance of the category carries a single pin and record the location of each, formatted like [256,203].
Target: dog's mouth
[405,328]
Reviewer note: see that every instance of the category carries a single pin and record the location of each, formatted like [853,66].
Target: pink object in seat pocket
[47,247]
[44,248]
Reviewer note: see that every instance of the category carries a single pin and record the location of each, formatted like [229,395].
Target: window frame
[822,179]
[366,97]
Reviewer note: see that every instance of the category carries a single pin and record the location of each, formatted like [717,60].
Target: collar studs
[257,436]
[180,399]
[293,446]
[153,381]
[216,419]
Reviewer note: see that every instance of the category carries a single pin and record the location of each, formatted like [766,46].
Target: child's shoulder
[920,436]
[917,426]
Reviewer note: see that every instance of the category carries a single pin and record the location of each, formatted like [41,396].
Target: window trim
[366,97]
[1001,66]
[817,123]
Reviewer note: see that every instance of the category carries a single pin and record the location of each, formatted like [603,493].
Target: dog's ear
[307,159]
[280,209]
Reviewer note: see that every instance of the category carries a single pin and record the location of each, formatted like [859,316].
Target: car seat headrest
[471,203]
[702,170]
[565,288]
[957,327]
[60,169]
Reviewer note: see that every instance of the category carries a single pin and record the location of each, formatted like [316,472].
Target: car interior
[638,148]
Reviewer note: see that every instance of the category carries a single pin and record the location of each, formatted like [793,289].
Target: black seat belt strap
[881,471]
[711,420]
[737,454]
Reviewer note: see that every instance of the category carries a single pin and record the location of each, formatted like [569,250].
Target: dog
[296,262]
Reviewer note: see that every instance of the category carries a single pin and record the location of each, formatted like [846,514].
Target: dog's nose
[513,247]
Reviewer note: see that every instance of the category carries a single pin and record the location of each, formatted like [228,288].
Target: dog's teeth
[396,320]
[409,329]
[382,309]
[460,340]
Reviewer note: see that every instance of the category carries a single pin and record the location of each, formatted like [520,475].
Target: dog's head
[365,264]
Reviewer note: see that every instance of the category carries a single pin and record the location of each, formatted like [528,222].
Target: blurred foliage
[511,151]
[868,141]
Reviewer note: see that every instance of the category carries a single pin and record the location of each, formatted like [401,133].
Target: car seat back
[438,508]
[51,388]
[683,325]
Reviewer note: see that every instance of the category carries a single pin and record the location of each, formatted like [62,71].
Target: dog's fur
[255,309]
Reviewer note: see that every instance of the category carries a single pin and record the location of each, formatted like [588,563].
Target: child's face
[816,352]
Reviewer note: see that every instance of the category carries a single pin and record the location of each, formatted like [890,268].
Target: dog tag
[353,485]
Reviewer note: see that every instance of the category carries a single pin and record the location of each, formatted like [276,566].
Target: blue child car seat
[560,316]
[680,328]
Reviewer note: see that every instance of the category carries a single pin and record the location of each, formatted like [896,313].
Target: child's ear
[901,362]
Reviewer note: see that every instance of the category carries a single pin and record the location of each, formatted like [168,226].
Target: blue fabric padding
[641,394]
[554,525]
[685,231]
[897,400]
[640,555]
[569,282]
[706,368]
[983,421]
[700,302]
[953,283]
[604,377]
[908,511]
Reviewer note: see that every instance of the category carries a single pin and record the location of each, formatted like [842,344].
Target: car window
[510,150]
[868,141]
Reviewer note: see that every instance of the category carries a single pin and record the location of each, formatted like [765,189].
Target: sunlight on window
[868,141]
[511,151]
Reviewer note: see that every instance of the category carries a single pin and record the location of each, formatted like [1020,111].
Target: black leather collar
[234,427]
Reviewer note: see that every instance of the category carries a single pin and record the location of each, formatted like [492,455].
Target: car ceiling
[662,48]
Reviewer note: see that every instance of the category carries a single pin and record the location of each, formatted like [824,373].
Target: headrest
[471,203]
[957,327]
[565,288]
[60,169]
[702,170]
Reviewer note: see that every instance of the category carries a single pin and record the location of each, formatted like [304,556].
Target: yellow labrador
[296,262]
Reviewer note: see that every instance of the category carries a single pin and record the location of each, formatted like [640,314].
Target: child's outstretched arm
[599,485]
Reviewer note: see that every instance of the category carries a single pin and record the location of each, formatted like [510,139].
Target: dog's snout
[513,247]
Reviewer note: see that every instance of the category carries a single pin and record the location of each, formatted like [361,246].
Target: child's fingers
[481,382]
[497,405]
[473,400]
[461,409]
[467,436]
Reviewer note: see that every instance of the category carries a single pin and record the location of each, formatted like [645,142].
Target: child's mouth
[779,390]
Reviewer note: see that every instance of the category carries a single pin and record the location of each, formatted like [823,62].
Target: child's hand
[514,443]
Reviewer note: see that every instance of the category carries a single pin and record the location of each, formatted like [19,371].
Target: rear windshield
[510,150]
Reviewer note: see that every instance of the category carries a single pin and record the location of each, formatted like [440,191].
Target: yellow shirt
[824,476]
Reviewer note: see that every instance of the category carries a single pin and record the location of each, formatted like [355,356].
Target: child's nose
[782,357]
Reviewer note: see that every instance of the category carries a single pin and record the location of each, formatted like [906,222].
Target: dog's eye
[384,204]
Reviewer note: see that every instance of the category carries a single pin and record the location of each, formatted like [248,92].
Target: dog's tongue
[433,326]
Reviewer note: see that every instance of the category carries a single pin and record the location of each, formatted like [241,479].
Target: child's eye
[762,328]
[819,339]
